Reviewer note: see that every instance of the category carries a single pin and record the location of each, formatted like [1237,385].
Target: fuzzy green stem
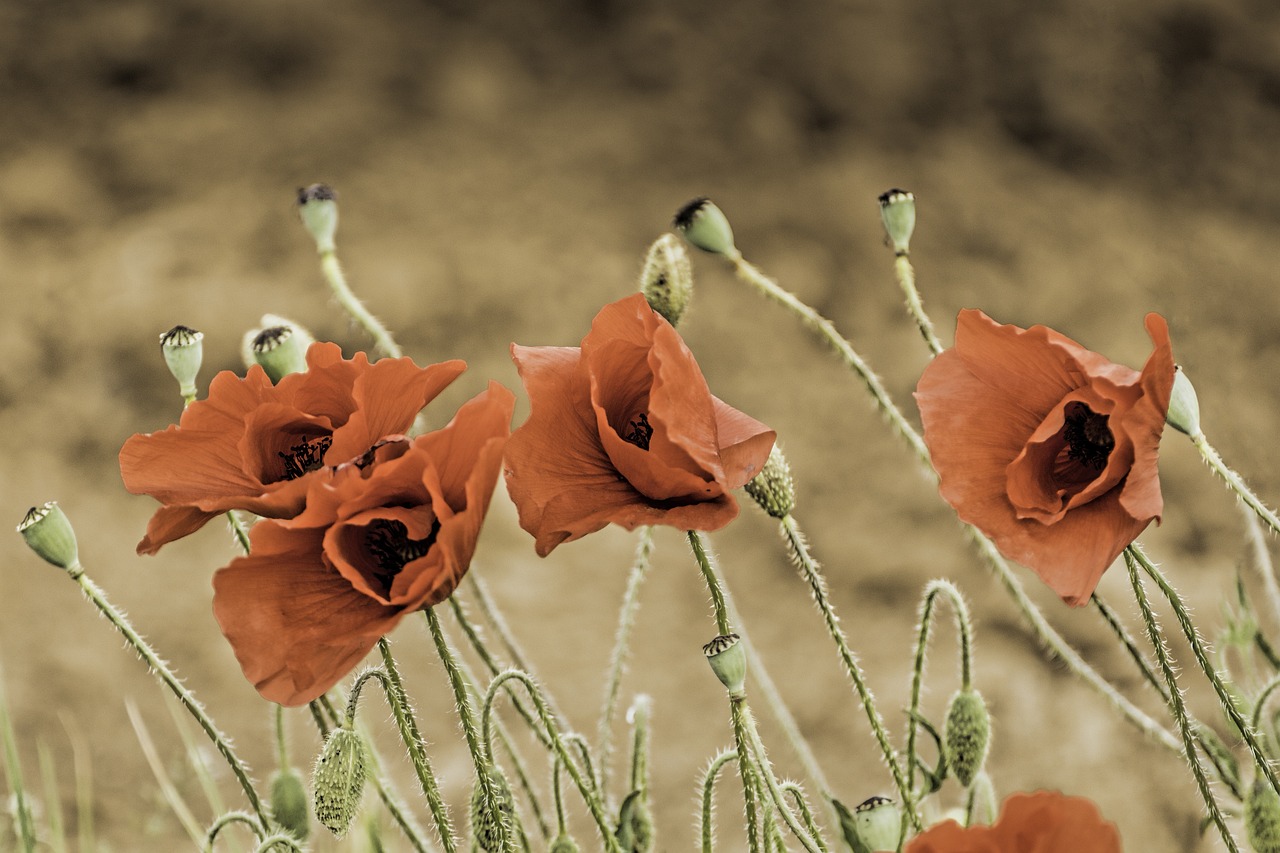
[934,590]
[797,794]
[238,530]
[557,795]
[482,762]
[278,841]
[13,773]
[639,712]
[414,743]
[1133,552]
[707,829]
[1263,696]
[161,669]
[548,720]
[812,573]
[1235,482]
[771,781]
[1262,559]
[1176,702]
[746,771]
[337,282]
[621,646]
[718,605]
[906,276]
[211,836]
[282,742]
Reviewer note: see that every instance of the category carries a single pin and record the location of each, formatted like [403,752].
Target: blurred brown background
[502,168]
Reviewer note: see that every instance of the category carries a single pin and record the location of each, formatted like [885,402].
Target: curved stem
[707,829]
[1263,696]
[211,835]
[621,644]
[771,781]
[337,282]
[809,568]
[932,591]
[1176,703]
[746,771]
[797,794]
[906,276]
[1235,482]
[278,841]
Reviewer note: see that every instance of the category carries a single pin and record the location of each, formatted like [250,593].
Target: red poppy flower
[1043,822]
[390,532]
[248,445]
[1046,447]
[625,430]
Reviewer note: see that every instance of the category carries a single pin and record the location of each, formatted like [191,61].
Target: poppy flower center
[639,431]
[1089,439]
[305,456]
[388,542]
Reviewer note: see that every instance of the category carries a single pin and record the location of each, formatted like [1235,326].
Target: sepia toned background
[501,169]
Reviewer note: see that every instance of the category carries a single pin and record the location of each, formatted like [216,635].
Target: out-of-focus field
[502,168]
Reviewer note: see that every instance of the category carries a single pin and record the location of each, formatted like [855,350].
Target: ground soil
[502,168]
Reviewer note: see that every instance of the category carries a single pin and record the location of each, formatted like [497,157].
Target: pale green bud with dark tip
[289,802]
[1184,406]
[318,207]
[183,350]
[635,824]
[1262,817]
[898,213]
[966,735]
[667,278]
[705,226]
[280,347]
[773,489]
[564,844]
[877,823]
[486,835]
[338,781]
[49,533]
[728,661]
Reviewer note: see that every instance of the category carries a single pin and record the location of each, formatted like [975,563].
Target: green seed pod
[705,226]
[289,802]
[486,835]
[1262,817]
[667,278]
[966,735]
[773,489]
[898,213]
[728,661]
[281,349]
[318,207]
[877,823]
[183,352]
[49,533]
[339,780]
[1184,406]
[635,824]
[563,844]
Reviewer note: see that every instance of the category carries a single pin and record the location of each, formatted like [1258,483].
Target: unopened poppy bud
[1262,817]
[728,661]
[289,802]
[564,844]
[898,213]
[48,532]
[705,226]
[667,278]
[339,780]
[773,489]
[966,735]
[1184,406]
[183,352]
[635,825]
[485,831]
[318,207]
[281,350]
[876,825]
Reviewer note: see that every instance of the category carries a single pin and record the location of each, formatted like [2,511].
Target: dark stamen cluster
[389,543]
[307,455]
[1089,439]
[640,431]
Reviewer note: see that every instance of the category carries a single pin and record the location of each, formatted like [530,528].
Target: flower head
[1043,822]
[248,445]
[389,532]
[625,430]
[1046,447]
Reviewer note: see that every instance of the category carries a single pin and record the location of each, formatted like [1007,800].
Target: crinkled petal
[388,396]
[171,523]
[1144,425]
[745,444]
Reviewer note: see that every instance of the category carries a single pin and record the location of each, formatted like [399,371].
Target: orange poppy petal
[1043,822]
[171,523]
[1141,497]
[458,450]
[185,466]
[744,442]
[388,396]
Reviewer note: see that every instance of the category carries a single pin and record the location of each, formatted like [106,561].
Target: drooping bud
[705,226]
[728,661]
[485,831]
[667,278]
[1262,817]
[773,489]
[339,780]
[289,802]
[872,827]
[1184,406]
[635,824]
[898,213]
[966,735]
[183,352]
[49,533]
[564,844]
[318,207]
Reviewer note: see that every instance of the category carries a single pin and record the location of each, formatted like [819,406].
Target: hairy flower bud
[1262,817]
[773,489]
[485,831]
[339,780]
[635,824]
[1184,406]
[667,278]
[898,213]
[183,352]
[966,735]
[705,226]
[49,533]
[318,207]
[728,661]
[289,802]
